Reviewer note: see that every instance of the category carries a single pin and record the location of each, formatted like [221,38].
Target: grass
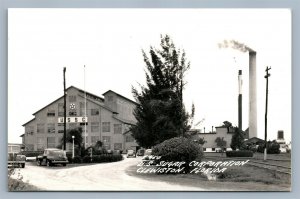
[16,183]
[244,178]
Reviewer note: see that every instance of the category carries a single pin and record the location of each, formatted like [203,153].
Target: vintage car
[140,152]
[52,156]
[130,153]
[14,158]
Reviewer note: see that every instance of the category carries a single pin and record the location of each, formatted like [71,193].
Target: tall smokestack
[252,95]
[252,81]
[240,101]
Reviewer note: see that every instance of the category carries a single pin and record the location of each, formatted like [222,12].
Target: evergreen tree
[161,114]
[237,139]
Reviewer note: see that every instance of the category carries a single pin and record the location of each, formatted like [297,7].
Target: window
[60,131]
[86,138]
[110,98]
[51,113]
[117,128]
[40,128]
[204,149]
[29,130]
[40,144]
[72,98]
[105,126]
[29,147]
[72,125]
[82,108]
[94,139]
[94,111]
[72,112]
[50,142]
[106,142]
[60,107]
[213,149]
[117,146]
[129,138]
[94,126]
[51,128]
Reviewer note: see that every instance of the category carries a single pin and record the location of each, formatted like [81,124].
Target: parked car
[140,152]
[14,158]
[52,156]
[131,153]
[147,153]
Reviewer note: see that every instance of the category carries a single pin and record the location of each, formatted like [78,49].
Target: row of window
[213,149]
[95,127]
[49,142]
[73,112]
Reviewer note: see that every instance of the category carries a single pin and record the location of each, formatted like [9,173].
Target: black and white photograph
[111,99]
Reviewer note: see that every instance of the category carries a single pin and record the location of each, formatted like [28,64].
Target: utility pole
[266,113]
[65,109]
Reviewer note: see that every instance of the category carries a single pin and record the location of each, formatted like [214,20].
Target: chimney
[280,135]
[252,95]
[240,120]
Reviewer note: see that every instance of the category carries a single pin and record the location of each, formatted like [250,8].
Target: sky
[109,42]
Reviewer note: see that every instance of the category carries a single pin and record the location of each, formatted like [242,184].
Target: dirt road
[97,177]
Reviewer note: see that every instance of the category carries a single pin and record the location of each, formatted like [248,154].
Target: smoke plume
[235,45]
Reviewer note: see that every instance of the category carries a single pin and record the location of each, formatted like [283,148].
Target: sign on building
[73,119]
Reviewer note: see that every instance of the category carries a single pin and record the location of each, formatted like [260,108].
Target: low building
[106,119]
[210,144]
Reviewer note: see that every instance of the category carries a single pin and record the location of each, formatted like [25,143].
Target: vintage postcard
[149,100]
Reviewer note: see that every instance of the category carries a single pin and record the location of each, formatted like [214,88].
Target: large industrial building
[106,119]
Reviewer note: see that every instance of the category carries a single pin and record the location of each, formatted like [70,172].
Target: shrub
[244,153]
[77,159]
[272,147]
[178,149]
[86,159]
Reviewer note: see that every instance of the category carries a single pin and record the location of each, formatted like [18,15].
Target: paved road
[97,177]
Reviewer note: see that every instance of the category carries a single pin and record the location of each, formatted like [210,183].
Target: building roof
[254,140]
[87,93]
[120,96]
[28,122]
[124,121]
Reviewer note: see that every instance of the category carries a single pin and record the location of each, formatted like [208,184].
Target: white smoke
[235,45]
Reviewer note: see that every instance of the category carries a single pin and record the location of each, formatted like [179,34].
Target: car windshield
[130,151]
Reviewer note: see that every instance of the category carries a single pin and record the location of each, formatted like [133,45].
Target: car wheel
[38,163]
[23,165]
[64,165]
[49,163]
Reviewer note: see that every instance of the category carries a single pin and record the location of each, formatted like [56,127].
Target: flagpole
[84,111]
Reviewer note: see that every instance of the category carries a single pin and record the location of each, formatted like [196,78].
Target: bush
[86,159]
[244,153]
[178,149]
[272,147]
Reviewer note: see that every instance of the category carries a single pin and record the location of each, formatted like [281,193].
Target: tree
[221,143]
[78,139]
[160,113]
[227,125]
[201,141]
[237,139]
